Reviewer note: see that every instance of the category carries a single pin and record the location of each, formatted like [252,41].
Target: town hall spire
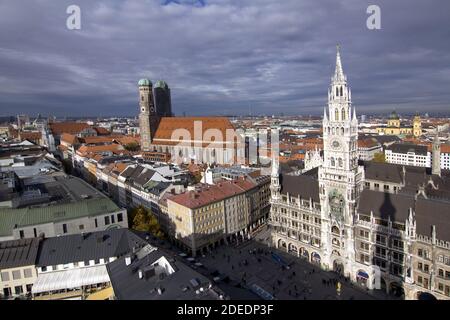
[339,72]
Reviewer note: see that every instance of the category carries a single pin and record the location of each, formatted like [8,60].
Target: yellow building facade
[394,126]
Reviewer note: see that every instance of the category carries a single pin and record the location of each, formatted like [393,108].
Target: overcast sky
[222,56]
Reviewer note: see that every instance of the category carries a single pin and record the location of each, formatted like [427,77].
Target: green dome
[161,84]
[145,82]
[394,116]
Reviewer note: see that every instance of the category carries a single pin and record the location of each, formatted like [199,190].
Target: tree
[197,177]
[132,146]
[143,219]
[379,157]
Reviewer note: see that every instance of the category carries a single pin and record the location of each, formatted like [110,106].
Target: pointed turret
[275,176]
[339,72]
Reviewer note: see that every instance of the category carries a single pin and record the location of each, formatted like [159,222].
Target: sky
[222,57]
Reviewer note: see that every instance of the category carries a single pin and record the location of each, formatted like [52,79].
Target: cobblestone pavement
[252,263]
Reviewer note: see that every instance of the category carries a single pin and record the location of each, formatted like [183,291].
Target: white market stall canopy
[70,279]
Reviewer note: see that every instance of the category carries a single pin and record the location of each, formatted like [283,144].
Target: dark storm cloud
[222,56]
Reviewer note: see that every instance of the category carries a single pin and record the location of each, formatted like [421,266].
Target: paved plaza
[252,263]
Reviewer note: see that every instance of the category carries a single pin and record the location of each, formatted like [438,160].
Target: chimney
[141,275]
[127,260]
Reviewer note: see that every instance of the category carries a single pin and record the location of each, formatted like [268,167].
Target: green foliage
[132,146]
[143,219]
[197,177]
[379,157]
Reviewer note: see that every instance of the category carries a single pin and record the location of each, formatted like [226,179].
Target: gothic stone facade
[393,239]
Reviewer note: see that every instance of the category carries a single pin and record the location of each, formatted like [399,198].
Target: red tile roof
[102,131]
[207,194]
[367,143]
[59,128]
[69,138]
[115,148]
[445,148]
[30,135]
[168,125]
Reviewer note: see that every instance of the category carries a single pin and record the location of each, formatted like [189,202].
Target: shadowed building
[163,103]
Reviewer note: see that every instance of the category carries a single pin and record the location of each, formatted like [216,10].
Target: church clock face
[335,144]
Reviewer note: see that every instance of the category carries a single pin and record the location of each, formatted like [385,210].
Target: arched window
[342,92]
[340,162]
[333,163]
[334,130]
[337,91]
[335,230]
[336,115]
[343,114]
[342,131]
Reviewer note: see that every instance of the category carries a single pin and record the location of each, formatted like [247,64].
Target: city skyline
[233,57]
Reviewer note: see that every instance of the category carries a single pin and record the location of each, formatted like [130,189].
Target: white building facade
[409,155]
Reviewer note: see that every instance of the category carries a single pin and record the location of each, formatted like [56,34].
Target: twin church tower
[155,103]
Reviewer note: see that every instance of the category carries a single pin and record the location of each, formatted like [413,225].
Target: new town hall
[383,226]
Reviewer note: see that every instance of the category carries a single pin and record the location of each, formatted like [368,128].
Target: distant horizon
[317,115]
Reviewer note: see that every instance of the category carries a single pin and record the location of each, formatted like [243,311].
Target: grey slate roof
[18,253]
[90,246]
[431,212]
[383,172]
[157,187]
[408,147]
[386,205]
[304,186]
[138,176]
[127,285]
[428,212]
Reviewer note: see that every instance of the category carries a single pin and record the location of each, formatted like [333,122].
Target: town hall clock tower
[340,177]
